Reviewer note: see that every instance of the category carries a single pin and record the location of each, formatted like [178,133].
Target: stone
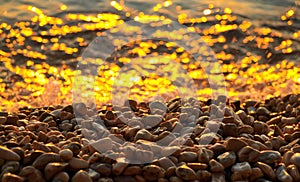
[153,172]
[294,172]
[197,166]
[157,105]
[227,159]
[144,135]
[75,147]
[118,168]
[263,111]
[132,171]
[295,159]
[243,170]
[76,163]
[283,175]
[260,127]
[104,169]
[52,169]
[66,154]
[61,177]
[248,154]
[165,163]
[152,120]
[267,170]
[215,166]
[256,173]
[81,176]
[45,158]
[269,156]
[203,175]
[9,155]
[8,177]
[187,156]
[235,144]
[230,129]
[204,155]
[186,173]
[219,177]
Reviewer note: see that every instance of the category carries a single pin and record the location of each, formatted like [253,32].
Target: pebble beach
[136,91]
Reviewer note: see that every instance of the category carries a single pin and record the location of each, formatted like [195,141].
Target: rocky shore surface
[231,141]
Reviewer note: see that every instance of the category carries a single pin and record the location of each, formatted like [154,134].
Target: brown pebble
[132,171]
[53,168]
[269,156]
[227,159]
[66,154]
[153,172]
[283,175]
[81,176]
[165,163]
[204,155]
[187,156]
[294,172]
[76,163]
[215,166]
[267,170]
[8,177]
[235,144]
[41,161]
[295,159]
[9,155]
[256,173]
[248,154]
[219,177]
[186,173]
[61,177]
[241,171]
[104,169]
[118,168]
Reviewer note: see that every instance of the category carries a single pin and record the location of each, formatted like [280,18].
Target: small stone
[295,159]
[235,144]
[144,135]
[9,155]
[41,161]
[243,170]
[197,166]
[75,147]
[219,177]
[175,179]
[104,169]
[263,111]
[61,177]
[153,172]
[53,168]
[230,129]
[157,105]
[248,154]
[93,174]
[204,155]
[66,154]
[267,170]
[283,175]
[132,171]
[245,129]
[256,173]
[165,163]
[2,120]
[81,176]
[294,172]
[187,156]
[260,127]
[124,179]
[11,120]
[152,120]
[186,173]
[227,159]
[76,163]
[118,168]
[215,166]
[269,156]
[8,177]
[203,175]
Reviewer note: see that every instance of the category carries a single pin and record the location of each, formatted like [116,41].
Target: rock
[165,163]
[76,163]
[204,155]
[235,144]
[132,171]
[103,144]
[267,170]
[175,179]
[9,155]
[152,120]
[263,111]
[153,172]
[197,166]
[245,129]
[187,156]
[66,154]
[218,177]
[260,127]
[256,173]
[2,120]
[32,174]
[185,173]
[157,105]
[144,135]
[104,169]
[215,166]
[81,176]
[41,161]
[230,129]
[241,170]
[118,168]
[295,159]
[294,172]
[203,175]
[8,177]
[124,179]
[269,156]
[248,154]
[53,168]
[227,159]
[11,120]
[283,175]
[93,174]
[11,166]
[75,147]
[61,177]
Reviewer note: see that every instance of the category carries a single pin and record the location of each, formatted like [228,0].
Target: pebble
[8,177]
[9,155]
[144,135]
[81,176]
[283,175]
[186,173]
[235,144]
[204,155]
[267,170]
[187,156]
[248,154]
[256,173]
[76,163]
[61,177]
[203,175]
[104,169]
[132,171]
[52,169]
[269,156]
[66,154]
[165,163]
[119,167]
[295,159]
[227,159]
[241,171]
[294,172]
[45,158]
[153,172]
[215,166]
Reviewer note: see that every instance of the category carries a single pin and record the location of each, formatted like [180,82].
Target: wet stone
[295,159]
